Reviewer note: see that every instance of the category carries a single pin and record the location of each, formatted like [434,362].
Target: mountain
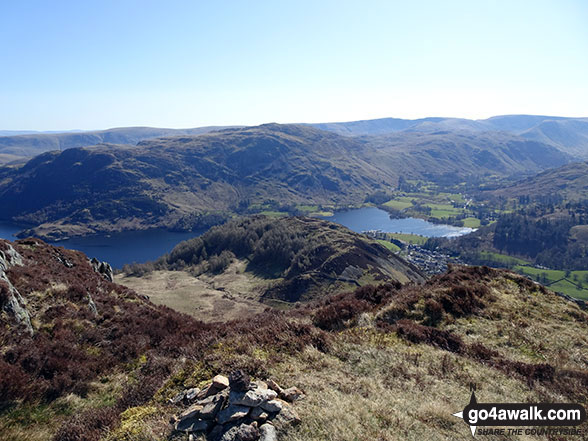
[168,181]
[174,182]
[87,359]
[19,146]
[384,126]
[569,135]
[569,182]
[458,156]
[299,259]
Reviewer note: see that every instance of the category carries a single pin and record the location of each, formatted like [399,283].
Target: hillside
[289,259]
[569,182]
[385,362]
[195,181]
[21,146]
[171,182]
[446,156]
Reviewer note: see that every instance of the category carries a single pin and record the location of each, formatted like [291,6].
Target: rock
[206,392]
[286,417]
[252,398]
[268,432]
[230,435]
[220,382]
[177,398]
[103,268]
[193,425]
[191,412]
[232,413]
[272,406]
[292,394]
[239,381]
[258,384]
[190,394]
[258,414]
[247,432]
[275,386]
[212,406]
[14,304]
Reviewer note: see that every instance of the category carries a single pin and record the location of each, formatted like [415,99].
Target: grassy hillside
[453,157]
[172,182]
[381,362]
[188,181]
[289,259]
[569,182]
[21,147]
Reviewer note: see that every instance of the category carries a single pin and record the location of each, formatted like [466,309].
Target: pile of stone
[237,409]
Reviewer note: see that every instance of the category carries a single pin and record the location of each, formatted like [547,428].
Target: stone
[213,405]
[209,390]
[193,425]
[230,435]
[191,412]
[268,432]
[252,398]
[286,417]
[258,384]
[258,414]
[239,381]
[190,394]
[232,413]
[292,394]
[247,432]
[220,382]
[272,406]
[275,386]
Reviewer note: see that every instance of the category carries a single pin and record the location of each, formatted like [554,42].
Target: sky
[96,64]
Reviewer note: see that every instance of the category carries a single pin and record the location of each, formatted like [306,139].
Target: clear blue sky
[96,63]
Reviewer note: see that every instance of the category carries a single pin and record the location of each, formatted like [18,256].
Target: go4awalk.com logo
[540,418]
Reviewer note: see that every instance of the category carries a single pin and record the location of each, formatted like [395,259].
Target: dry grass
[210,298]
[380,388]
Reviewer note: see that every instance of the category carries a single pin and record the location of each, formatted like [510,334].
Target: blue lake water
[372,218]
[118,248]
[143,246]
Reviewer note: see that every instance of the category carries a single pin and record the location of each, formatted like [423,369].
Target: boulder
[239,381]
[275,386]
[232,413]
[191,412]
[258,414]
[220,382]
[272,406]
[193,425]
[212,405]
[252,398]
[292,394]
[286,417]
[190,394]
[268,432]
[247,432]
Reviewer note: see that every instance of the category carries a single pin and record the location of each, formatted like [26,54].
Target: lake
[142,246]
[372,218]
[118,248]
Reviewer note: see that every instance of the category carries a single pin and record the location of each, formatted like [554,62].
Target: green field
[502,259]
[471,222]
[392,247]
[398,204]
[410,238]
[575,285]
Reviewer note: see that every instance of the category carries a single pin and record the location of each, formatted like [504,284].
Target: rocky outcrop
[237,409]
[11,301]
[103,268]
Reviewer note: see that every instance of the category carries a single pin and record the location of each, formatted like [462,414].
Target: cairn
[236,409]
